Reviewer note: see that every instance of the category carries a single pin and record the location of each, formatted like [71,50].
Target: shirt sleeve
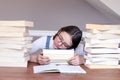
[38,44]
[80,50]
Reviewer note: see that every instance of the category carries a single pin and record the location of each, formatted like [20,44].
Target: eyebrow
[64,41]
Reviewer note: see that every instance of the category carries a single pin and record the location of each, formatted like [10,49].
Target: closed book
[14,42]
[19,23]
[102,27]
[13,34]
[105,61]
[13,29]
[102,66]
[16,46]
[13,53]
[94,41]
[28,38]
[105,55]
[102,50]
[104,31]
[102,36]
[102,45]
[14,64]
[14,59]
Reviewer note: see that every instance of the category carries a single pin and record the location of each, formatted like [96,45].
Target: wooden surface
[27,74]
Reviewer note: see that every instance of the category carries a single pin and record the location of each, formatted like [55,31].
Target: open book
[56,67]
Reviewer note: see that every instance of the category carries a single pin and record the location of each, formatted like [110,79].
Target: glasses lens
[62,41]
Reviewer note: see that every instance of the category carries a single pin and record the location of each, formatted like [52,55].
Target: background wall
[52,14]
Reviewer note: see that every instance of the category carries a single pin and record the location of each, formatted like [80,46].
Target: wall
[52,14]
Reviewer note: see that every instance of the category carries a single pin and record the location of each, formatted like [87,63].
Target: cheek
[55,43]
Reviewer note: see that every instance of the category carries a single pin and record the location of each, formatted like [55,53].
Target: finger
[43,61]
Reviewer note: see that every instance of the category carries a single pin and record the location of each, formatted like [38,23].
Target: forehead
[66,37]
[65,34]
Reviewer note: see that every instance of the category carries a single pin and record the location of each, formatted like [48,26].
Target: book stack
[102,46]
[15,43]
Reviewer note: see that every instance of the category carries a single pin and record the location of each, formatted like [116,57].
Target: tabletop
[19,73]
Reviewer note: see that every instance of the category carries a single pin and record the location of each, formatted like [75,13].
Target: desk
[27,74]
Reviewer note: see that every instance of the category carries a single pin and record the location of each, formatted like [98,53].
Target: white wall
[110,8]
[113,4]
[52,14]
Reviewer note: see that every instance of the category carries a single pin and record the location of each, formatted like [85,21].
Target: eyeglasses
[62,41]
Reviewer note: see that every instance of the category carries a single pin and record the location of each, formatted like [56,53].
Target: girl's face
[62,41]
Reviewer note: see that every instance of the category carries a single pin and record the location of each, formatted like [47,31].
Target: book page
[56,67]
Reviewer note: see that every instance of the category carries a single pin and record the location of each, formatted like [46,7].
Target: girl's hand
[76,60]
[41,59]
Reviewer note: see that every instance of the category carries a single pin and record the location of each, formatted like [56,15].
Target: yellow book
[102,45]
[21,23]
[104,31]
[102,27]
[13,29]
[100,66]
[102,36]
[14,42]
[13,34]
[14,64]
[16,38]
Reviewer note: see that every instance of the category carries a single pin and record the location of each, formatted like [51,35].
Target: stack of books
[102,46]
[15,43]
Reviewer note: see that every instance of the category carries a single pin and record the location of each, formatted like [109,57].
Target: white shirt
[40,44]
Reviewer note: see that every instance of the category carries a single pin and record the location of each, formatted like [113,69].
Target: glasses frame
[62,41]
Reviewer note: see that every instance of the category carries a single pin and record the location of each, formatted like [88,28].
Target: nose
[60,43]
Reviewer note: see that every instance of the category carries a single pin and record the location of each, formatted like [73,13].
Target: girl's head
[67,37]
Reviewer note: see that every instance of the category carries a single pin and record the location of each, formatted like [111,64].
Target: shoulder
[41,39]
[80,49]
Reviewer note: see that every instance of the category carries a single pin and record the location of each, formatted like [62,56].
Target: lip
[56,47]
